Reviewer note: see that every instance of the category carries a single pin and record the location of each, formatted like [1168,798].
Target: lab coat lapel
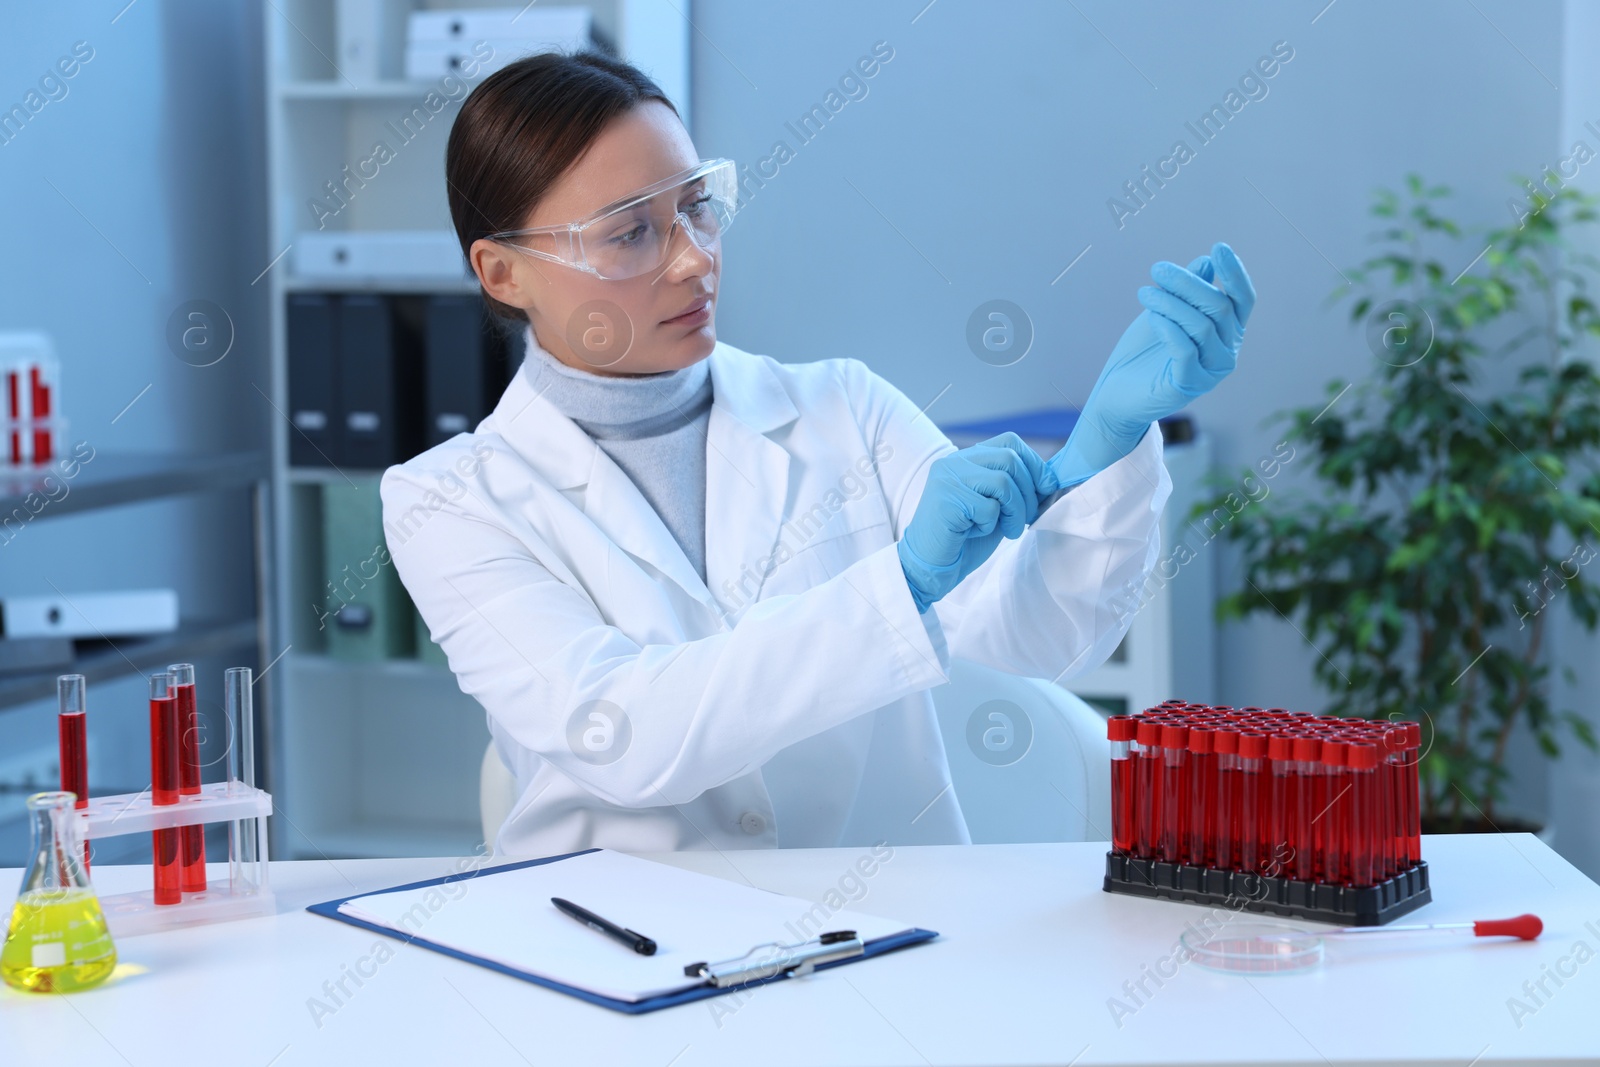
[747,475]
[571,460]
[747,479]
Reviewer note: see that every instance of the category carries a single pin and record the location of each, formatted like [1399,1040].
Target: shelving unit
[378,758]
[111,480]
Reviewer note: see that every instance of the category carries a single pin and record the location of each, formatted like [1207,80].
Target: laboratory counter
[1034,964]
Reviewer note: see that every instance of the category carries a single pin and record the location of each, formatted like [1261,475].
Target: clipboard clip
[796,959]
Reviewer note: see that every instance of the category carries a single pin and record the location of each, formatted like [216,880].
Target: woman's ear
[494,265]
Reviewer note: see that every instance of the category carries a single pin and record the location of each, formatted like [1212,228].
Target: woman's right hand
[972,498]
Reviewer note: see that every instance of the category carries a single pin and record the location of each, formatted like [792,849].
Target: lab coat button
[753,822]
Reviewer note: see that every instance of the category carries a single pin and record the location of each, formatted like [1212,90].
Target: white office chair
[1030,760]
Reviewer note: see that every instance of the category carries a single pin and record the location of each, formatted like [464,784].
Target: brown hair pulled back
[520,130]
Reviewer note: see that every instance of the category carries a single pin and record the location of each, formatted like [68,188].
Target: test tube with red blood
[164,785]
[1281,801]
[1321,798]
[1391,742]
[1199,822]
[13,417]
[1362,758]
[1307,763]
[1335,820]
[1224,819]
[1391,819]
[1410,792]
[1121,729]
[1147,786]
[1174,791]
[42,437]
[72,737]
[1247,826]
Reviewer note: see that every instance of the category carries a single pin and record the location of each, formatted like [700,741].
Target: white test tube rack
[236,801]
[243,894]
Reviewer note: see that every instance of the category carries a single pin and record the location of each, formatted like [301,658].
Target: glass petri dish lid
[1254,947]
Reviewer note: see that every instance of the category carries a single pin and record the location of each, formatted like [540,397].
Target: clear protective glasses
[631,237]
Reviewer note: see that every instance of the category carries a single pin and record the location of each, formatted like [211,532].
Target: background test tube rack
[1267,810]
[243,894]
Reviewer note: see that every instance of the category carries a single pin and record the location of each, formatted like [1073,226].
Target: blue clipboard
[330,909]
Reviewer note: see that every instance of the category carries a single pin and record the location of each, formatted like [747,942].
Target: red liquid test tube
[1120,729]
[1247,824]
[1412,794]
[1280,801]
[1321,801]
[192,838]
[1391,822]
[1174,791]
[1307,763]
[1335,824]
[1199,822]
[164,785]
[1362,757]
[72,726]
[1224,819]
[1147,788]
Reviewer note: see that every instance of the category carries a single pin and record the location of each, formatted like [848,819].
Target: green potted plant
[1454,506]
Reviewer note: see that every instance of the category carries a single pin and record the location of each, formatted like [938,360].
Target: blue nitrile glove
[971,500]
[1184,342]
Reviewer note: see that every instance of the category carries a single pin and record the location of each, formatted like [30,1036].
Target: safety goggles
[632,236]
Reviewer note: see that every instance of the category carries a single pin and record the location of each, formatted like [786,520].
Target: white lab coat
[783,701]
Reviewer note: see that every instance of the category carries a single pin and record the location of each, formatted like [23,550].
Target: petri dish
[1254,947]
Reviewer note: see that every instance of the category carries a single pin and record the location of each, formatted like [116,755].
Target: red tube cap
[1362,755]
[1252,745]
[1307,749]
[1174,737]
[1202,740]
[1226,741]
[1334,752]
[1148,733]
[1121,728]
[1280,747]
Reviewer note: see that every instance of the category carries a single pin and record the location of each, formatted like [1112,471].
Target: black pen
[632,938]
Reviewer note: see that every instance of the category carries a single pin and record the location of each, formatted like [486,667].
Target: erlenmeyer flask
[57,941]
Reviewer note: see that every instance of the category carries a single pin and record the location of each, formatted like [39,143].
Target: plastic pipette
[1525,927]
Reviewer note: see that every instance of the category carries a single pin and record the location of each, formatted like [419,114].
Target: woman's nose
[691,258]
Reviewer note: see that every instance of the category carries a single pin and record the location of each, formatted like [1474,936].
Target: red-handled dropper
[1525,927]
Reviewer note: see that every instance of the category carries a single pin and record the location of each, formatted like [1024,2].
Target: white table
[1030,953]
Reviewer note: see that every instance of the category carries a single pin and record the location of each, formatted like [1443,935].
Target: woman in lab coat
[702,594]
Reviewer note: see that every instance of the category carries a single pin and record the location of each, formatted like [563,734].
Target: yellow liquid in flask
[57,942]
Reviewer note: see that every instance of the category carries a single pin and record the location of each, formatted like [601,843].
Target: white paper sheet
[692,917]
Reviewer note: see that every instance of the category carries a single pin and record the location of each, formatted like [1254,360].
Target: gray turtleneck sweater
[653,426]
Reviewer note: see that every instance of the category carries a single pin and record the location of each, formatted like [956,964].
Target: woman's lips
[697,314]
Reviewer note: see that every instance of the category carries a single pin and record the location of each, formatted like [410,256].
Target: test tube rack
[1342,905]
[1267,810]
[243,894]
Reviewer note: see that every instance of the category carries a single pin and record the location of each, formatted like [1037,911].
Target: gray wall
[139,189]
[980,161]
